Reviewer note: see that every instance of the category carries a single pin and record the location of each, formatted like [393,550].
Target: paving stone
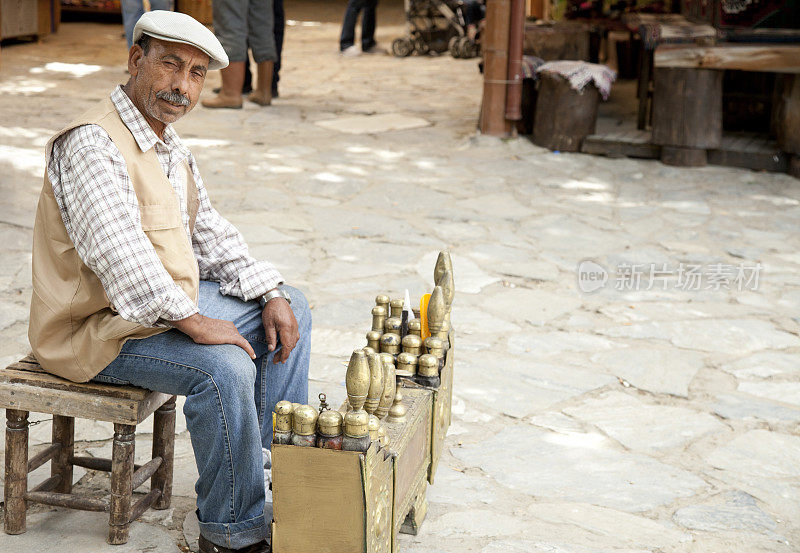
[558,422]
[644,427]
[786,392]
[469,278]
[764,365]
[733,510]
[459,489]
[577,467]
[534,307]
[469,320]
[543,344]
[479,523]
[368,124]
[69,530]
[759,453]
[661,371]
[611,528]
[741,406]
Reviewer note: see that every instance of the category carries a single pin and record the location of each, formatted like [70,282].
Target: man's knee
[231,371]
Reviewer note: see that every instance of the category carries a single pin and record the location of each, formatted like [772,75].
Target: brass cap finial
[428,365]
[329,423]
[356,424]
[304,420]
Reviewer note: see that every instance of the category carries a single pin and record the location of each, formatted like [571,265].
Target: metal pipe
[515,39]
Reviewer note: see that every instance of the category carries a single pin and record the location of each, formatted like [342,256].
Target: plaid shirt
[101,214]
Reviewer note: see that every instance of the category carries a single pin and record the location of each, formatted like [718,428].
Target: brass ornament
[295,406]
[357,379]
[329,423]
[444,334]
[393,325]
[378,317]
[387,358]
[323,403]
[396,307]
[443,263]
[434,346]
[390,343]
[304,420]
[397,413]
[428,365]
[437,308]
[389,384]
[374,340]
[383,436]
[373,426]
[375,390]
[407,364]
[448,287]
[412,344]
[415,327]
[356,424]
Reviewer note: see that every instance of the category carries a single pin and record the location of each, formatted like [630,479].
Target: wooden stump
[786,118]
[687,113]
[164,447]
[16,478]
[121,483]
[564,117]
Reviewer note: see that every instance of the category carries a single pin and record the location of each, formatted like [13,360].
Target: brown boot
[262,94]
[230,95]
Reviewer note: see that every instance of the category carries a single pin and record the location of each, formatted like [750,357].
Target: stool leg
[164,447]
[121,485]
[64,434]
[16,480]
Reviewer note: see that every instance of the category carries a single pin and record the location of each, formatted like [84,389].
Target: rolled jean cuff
[236,535]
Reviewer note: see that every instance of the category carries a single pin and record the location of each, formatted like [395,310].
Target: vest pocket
[160,216]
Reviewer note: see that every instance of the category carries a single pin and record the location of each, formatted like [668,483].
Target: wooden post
[121,475]
[16,479]
[495,70]
[787,119]
[687,114]
[164,447]
[564,117]
[61,464]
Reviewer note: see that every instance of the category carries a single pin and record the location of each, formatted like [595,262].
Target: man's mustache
[173,97]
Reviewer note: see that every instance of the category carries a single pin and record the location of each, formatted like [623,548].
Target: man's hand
[279,321]
[205,330]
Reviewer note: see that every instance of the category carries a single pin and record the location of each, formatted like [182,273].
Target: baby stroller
[435,26]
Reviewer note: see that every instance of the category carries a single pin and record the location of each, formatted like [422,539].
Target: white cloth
[580,73]
[179,27]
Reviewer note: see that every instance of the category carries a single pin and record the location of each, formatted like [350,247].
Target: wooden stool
[25,387]
[564,117]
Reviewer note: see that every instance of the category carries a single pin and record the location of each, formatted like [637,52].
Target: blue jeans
[228,408]
[132,10]
[348,37]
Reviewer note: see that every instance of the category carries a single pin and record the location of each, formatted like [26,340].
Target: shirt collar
[141,130]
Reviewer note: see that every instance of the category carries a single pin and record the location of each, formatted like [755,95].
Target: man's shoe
[208,547]
[376,50]
[350,52]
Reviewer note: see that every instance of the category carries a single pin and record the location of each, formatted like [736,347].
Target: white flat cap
[179,27]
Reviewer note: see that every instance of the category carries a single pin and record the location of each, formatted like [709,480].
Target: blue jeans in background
[132,10]
[348,37]
[228,408]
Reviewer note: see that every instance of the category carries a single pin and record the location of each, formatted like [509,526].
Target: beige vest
[74,330]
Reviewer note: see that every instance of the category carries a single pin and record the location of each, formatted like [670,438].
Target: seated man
[137,279]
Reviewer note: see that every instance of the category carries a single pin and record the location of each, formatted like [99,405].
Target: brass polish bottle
[378,318]
[428,371]
[356,431]
[382,300]
[435,347]
[396,307]
[415,327]
[357,379]
[329,428]
[304,424]
[283,423]
[412,344]
[393,325]
[374,340]
[407,364]
[389,384]
[375,390]
[390,343]
[437,307]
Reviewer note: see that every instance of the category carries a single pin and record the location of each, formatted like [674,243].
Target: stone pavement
[647,416]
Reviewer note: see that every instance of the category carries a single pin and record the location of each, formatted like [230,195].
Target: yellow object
[423,315]
[273,422]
